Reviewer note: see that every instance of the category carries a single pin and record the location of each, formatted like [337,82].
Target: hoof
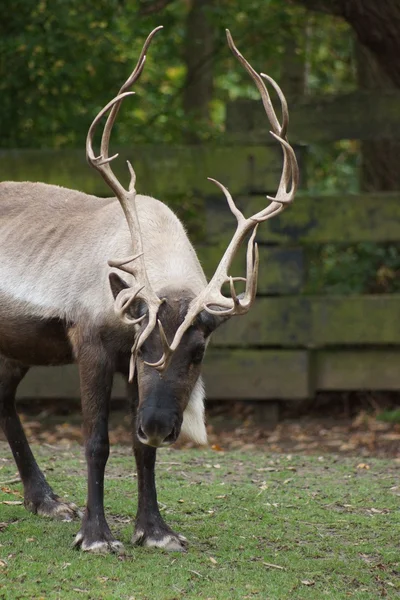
[173,542]
[54,507]
[98,546]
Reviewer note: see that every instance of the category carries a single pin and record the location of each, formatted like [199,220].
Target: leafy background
[61,61]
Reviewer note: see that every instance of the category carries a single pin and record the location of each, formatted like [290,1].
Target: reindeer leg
[150,528]
[96,375]
[39,498]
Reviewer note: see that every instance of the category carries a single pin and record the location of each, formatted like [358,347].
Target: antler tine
[139,341]
[122,303]
[269,109]
[290,172]
[234,209]
[89,138]
[162,364]
[133,77]
[282,99]
[252,262]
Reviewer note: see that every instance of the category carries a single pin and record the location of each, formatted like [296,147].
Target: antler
[211,298]
[127,198]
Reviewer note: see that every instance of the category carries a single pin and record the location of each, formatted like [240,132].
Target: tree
[377,26]
[376,23]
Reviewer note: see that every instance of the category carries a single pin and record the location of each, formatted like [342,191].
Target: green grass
[333,527]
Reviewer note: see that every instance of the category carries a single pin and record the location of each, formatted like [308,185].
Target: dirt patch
[330,426]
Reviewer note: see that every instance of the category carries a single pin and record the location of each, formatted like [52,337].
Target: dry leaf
[217,448]
[363,466]
[11,502]
[8,490]
[214,562]
[307,582]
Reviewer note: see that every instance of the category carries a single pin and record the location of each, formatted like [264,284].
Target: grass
[260,527]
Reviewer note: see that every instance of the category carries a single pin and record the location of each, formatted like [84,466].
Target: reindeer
[57,286]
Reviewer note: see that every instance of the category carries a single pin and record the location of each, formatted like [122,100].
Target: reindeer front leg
[150,528]
[96,375]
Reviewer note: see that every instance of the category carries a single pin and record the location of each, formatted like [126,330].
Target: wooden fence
[289,345]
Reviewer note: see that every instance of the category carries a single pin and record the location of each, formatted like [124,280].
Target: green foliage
[57,66]
[61,61]
[333,168]
[329,55]
[278,527]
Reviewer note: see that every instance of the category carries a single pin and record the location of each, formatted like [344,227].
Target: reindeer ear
[138,307]
[117,284]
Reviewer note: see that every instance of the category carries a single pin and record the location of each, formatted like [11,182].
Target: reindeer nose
[157,427]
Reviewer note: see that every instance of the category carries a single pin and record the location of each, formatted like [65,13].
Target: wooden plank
[256,374]
[354,218]
[233,375]
[357,369]
[361,115]
[58,382]
[162,171]
[315,321]
[281,271]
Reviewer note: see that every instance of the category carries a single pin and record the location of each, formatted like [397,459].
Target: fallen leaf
[214,562]
[363,466]
[307,582]
[11,502]
[217,448]
[8,490]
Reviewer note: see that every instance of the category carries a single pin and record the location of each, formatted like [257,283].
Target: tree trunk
[376,23]
[198,52]
[380,158]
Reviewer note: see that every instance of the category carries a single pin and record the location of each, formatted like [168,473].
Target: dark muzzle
[158,427]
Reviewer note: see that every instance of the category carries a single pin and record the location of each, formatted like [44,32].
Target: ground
[340,423]
[309,510]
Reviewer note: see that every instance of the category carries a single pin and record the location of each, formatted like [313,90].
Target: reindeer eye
[197,355]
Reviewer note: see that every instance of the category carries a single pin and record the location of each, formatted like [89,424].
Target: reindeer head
[172,330]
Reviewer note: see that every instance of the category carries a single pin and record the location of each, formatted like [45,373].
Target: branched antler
[211,298]
[135,264]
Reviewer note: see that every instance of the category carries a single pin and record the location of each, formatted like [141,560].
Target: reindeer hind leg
[39,498]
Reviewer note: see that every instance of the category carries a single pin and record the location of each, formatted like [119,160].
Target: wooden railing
[290,344]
